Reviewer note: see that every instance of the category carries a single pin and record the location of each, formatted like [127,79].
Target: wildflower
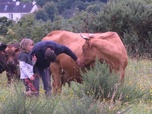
[130,82]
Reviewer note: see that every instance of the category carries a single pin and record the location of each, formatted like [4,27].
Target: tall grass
[99,94]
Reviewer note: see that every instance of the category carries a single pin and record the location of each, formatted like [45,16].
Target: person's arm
[34,59]
[69,52]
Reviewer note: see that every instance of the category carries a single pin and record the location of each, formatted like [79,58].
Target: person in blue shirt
[46,52]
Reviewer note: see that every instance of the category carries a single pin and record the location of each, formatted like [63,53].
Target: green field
[136,97]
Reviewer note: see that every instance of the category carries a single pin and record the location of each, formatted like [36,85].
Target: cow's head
[87,57]
[11,53]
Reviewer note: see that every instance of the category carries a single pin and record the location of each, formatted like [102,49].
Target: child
[26,66]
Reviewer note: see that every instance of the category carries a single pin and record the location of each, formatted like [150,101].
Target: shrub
[128,17]
[98,82]
[102,85]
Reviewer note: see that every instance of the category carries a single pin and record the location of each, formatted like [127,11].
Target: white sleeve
[25,68]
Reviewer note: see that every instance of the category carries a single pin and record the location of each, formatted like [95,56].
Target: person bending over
[46,52]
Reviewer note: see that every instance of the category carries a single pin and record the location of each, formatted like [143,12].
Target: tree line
[131,19]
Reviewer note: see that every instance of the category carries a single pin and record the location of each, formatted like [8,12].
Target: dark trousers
[46,79]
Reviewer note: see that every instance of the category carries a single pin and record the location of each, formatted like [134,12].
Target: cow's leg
[56,76]
[123,65]
[122,74]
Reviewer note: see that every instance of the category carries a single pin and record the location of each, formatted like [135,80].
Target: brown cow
[65,69]
[11,53]
[106,47]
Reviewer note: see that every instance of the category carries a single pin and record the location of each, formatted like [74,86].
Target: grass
[138,73]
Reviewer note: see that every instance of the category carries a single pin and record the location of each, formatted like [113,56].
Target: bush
[98,82]
[128,17]
[102,85]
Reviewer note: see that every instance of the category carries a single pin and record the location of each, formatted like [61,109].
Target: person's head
[50,55]
[26,44]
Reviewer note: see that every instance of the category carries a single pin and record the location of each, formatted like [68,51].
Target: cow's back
[112,37]
[69,39]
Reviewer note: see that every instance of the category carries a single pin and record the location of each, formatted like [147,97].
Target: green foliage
[131,19]
[74,105]
[64,4]
[99,83]
[41,15]
[51,10]
[80,22]
[4,24]
[18,103]
[28,27]
[41,2]
[60,23]
[128,17]
[137,82]
[93,8]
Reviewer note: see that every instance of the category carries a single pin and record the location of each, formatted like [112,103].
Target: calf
[12,69]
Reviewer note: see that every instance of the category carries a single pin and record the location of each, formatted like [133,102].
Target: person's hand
[32,78]
[34,59]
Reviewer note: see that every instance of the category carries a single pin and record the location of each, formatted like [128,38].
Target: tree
[132,20]
[51,10]
[41,14]
[4,24]
[41,2]
[28,27]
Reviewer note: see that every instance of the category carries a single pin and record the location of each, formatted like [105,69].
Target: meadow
[99,94]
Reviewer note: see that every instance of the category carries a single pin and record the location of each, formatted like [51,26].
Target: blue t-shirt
[39,51]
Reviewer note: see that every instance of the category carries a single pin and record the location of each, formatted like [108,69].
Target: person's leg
[36,82]
[28,89]
[48,79]
[30,85]
[45,75]
[25,84]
